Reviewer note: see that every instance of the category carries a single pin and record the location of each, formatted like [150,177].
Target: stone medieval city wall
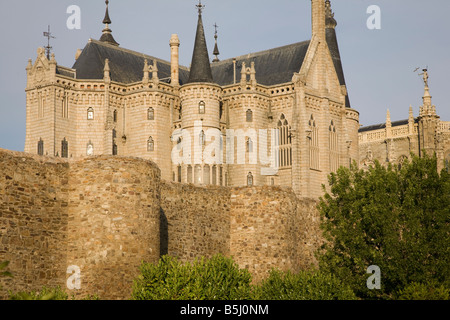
[33,220]
[106,215]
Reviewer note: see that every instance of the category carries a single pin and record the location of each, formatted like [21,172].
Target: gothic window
[115,116]
[150,144]
[189,174]
[249,115]
[202,139]
[249,145]
[214,175]
[201,107]
[313,144]
[285,142]
[221,176]
[64,148]
[41,147]
[179,174]
[250,179]
[90,114]
[65,107]
[90,149]
[151,114]
[206,174]
[333,142]
[220,110]
[114,146]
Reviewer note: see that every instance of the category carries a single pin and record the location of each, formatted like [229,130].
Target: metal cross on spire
[200,6]
[49,36]
[215,28]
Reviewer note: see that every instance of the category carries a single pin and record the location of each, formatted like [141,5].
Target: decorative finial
[216,47]
[107,32]
[200,7]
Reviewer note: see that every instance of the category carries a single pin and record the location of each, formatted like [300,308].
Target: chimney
[318,18]
[174,60]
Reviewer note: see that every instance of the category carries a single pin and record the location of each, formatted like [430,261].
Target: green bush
[44,294]
[306,285]
[218,278]
[420,291]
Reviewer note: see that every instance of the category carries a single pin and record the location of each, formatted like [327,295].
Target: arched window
[249,115]
[250,179]
[115,116]
[179,174]
[285,143]
[90,114]
[189,174]
[41,147]
[249,145]
[334,149]
[202,138]
[114,146]
[90,149]
[151,114]
[150,144]
[202,107]
[313,144]
[64,148]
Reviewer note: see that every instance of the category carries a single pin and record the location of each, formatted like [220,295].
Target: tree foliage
[218,278]
[397,219]
[306,285]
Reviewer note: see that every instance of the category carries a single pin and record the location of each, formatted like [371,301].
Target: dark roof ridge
[136,53]
[259,53]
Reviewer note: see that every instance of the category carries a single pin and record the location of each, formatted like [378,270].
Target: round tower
[201,112]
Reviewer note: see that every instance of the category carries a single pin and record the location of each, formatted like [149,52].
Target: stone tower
[201,110]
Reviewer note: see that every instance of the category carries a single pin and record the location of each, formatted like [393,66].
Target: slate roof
[383,125]
[200,66]
[126,66]
[274,66]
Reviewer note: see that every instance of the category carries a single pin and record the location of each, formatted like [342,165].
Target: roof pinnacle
[200,66]
[216,51]
[107,32]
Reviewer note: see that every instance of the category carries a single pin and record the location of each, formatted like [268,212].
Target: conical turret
[200,66]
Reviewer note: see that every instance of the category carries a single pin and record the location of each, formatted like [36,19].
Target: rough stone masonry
[107,214]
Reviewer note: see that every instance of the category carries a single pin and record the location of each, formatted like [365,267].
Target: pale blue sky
[378,64]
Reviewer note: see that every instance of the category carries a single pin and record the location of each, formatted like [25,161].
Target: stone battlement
[107,214]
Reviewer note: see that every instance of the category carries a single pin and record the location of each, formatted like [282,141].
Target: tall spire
[107,32]
[200,66]
[216,47]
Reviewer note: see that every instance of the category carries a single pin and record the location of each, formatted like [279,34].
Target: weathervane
[200,6]
[49,36]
